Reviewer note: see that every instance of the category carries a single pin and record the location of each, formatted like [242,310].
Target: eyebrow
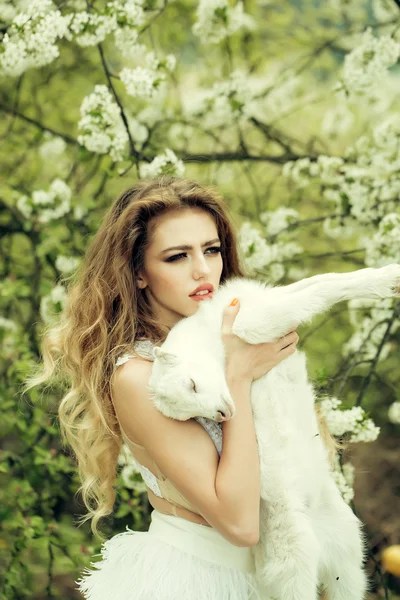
[187,247]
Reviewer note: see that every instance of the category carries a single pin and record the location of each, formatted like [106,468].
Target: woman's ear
[141,281]
[166,357]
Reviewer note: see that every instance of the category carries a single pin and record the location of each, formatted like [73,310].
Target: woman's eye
[215,250]
[193,385]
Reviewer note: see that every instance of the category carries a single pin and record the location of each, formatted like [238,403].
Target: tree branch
[23,117]
[132,150]
[367,379]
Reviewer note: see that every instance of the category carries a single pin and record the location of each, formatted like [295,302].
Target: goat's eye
[193,385]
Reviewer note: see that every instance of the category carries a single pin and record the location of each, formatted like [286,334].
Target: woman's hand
[252,361]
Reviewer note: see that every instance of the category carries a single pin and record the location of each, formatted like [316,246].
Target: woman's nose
[201,267]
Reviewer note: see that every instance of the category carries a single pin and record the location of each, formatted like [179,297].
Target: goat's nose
[226,413]
[222,416]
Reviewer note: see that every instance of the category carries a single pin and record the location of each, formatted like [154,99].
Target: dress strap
[123,359]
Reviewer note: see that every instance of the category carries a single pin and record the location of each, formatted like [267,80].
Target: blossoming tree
[292,113]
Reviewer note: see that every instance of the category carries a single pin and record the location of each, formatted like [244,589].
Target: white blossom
[226,103]
[394,413]
[144,82]
[129,13]
[141,82]
[24,205]
[52,146]
[255,250]
[56,201]
[260,256]
[47,205]
[126,42]
[338,228]
[91,29]
[101,126]
[30,40]
[128,475]
[67,264]
[7,11]
[130,469]
[337,121]
[53,303]
[167,163]
[138,131]
[278,219]
[344,479]
[366,340]
[384,10]
[352,421]
[8,324]
[367,63]
[383,247]
[217,19]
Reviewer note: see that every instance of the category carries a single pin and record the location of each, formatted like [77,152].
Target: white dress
[175,559]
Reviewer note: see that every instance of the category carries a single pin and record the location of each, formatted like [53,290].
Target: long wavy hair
[105,313]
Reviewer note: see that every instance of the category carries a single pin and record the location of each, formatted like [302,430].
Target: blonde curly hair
[105,314]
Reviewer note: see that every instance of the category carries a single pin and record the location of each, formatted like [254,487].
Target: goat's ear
[166,357]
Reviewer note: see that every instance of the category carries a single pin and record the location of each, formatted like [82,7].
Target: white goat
[309,536]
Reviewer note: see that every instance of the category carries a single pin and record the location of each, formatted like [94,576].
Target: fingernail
[234,302]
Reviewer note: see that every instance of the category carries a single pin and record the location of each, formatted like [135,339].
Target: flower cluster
[383,248]
[47,206]
[120,18]
[277,220]
[363,187]
[394,413]
[8,337]
[90,29]
[130,470]
[51,147]
[144,82]
[163,164]
[226,103]
[67,264]
[101,126]
[337,121]
[344,479]
[384,10]
[353,421]
[258,255]
[7,11]
[369,319]
[54,303]
[217,19]
[365,66]
[30,40]
[129,15]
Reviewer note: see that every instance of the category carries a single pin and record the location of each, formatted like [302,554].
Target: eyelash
[177,256]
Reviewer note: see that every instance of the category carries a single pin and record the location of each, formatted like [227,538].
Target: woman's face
[170,276]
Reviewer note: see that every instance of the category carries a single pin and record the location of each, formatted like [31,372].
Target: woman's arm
[237,482]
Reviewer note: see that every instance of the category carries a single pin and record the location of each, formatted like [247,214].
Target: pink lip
[203,286]
[200,298]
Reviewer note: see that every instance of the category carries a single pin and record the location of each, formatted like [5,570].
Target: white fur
[308,535]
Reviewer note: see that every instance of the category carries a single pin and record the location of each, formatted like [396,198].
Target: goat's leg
[286,555]
[343,547]
[273,313]
[323,278]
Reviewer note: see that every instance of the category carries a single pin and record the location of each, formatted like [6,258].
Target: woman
[161,243]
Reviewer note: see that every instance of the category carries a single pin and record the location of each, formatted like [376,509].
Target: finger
[290,338]
[291,349]
[229,315]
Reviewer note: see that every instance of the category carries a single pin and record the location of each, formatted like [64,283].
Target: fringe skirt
[174,560]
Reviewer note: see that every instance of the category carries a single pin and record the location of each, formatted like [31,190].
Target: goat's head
[188,384]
